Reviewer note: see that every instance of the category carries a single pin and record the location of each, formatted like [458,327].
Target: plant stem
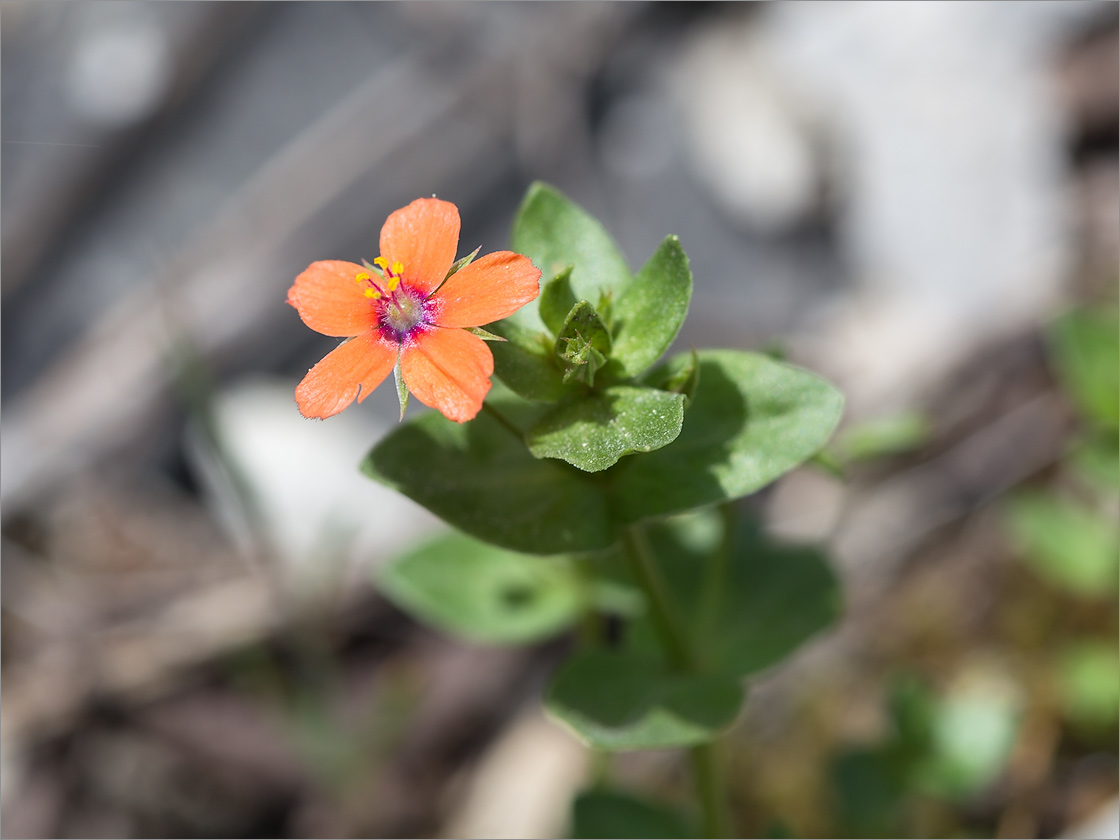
[715,574]
[600,768]
[665,619]
[711,786]
[705,760]
[505,421]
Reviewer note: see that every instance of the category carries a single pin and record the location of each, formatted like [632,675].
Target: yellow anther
[398,267]
[370,293]
[392,283]
[361,277]
[381,262]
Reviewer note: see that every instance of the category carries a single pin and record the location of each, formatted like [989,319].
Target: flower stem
[706,768]
[505,421]
[715,573]
[662,610]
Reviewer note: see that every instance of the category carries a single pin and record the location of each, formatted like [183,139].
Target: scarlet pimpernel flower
[410,310]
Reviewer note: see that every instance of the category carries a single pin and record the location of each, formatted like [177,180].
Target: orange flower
[405,310]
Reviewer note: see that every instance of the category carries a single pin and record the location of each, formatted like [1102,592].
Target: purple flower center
[403,313]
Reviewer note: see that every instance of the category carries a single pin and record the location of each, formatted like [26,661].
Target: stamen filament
[375,292]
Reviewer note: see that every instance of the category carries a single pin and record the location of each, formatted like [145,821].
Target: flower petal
[423,236]
[333,384]
[488,289]
[448,370]
[329,301]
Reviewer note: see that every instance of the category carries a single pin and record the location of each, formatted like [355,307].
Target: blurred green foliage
[483,593]
[606,813]
[1066,543]
[1088,675]
[1086,355]
[949,746]
[893,435]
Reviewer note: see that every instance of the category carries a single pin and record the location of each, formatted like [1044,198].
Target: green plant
[620,471]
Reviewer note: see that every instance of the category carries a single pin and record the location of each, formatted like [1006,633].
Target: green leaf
[480,477]
[752,420]
[557,300]
[1086,351]
[649,314]
[1089,682]
[555,233]
[483,593]
[526,363]
[869,794]
[621,701]
[583,344]
[1066,544]
[592,432]
[872,784]
[606,813]
[775,598]
[765,600]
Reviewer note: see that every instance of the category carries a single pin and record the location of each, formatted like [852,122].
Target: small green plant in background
[1067,533]
[944,747]
[596,482]
[951,736]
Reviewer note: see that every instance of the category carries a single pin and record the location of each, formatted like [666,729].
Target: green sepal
[557,300]
[484,335]
[375,269]
[585,362]
[593,431]
[462,263]
[402,389]
[583,344]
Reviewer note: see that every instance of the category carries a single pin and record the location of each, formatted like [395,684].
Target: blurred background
[918,200]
